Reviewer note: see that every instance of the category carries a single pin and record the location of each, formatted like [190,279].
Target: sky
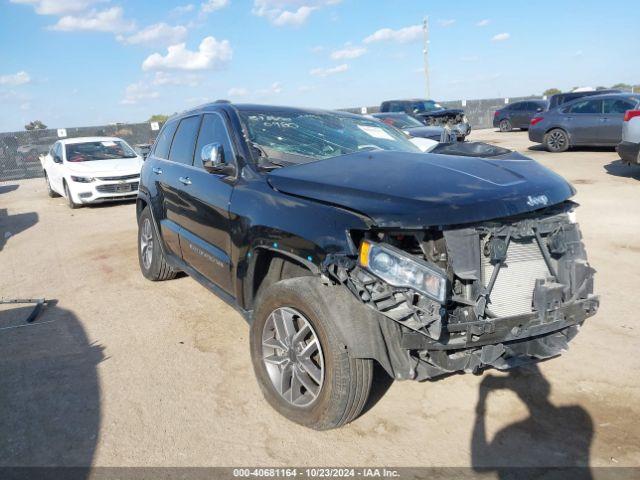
[91,62]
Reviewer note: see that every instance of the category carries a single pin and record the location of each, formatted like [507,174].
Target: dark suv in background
[588,121]
[343,245]
[518,114]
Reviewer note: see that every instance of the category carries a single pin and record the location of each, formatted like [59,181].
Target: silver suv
[629,147]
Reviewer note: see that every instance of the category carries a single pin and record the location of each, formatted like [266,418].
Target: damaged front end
[517,290]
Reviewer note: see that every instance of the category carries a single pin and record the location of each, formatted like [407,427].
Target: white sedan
[92,170]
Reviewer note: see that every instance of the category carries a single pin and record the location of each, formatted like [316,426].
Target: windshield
[400,121]
[100,150]
[300,137]
[425,106]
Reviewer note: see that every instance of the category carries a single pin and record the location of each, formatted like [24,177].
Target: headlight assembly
[82,179]
[401,270]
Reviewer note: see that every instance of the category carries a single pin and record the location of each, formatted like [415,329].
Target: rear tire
[72,205]
[50,191]
[505,125]
[556,140]
[345,382]
[151,258]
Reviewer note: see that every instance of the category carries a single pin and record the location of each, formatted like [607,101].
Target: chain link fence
[20,151]
[478,112]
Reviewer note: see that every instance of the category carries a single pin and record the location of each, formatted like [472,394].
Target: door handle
[185,180]
[156,170]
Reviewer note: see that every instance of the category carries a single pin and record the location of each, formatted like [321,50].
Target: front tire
[556,141]
[153,263]
[72,205]
[50,190]
[505,125]
[326,389]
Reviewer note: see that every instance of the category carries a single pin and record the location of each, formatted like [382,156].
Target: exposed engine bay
[517,290]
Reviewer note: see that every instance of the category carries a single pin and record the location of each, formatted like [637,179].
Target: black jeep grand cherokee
[342,245]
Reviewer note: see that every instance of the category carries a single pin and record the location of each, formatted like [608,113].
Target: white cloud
[501,37]
[288,12]
[189,79]
[238,92]
[325,72]
[157,34]
[138,92]
[182,9]
[211,54]
[110,20]
[348,53]
[15,79]
[57,7]
[25,106]
[403,35]
[213,5]
[483,22]
[446,22]
[274,89]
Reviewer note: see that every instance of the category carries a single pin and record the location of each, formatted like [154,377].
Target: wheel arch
[268,265]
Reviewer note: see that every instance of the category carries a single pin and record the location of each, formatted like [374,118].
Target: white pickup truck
[629,147]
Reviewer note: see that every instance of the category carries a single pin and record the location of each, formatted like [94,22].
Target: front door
[205,238]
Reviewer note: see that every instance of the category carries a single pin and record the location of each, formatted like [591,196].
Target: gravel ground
[125,372]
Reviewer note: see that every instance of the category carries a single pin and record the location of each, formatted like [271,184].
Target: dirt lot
[125,372]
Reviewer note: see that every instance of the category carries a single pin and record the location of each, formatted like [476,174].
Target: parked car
[92,170]
[518,114]
[629,147]
[560,98]
[342,244]
[591,121]
[431,113]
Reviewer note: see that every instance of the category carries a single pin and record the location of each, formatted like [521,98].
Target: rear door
[583,122]
[519,115]
[205,236]
[612,118]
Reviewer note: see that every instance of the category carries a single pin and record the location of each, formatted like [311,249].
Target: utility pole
[425,52]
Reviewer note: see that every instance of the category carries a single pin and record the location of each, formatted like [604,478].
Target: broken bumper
[538,306]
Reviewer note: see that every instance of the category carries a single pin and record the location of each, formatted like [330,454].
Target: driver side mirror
[57,158]
[213,161]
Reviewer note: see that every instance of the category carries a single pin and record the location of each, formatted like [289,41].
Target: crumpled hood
[106,168]
[409,190]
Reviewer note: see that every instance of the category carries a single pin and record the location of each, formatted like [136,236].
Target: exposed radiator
[512,293]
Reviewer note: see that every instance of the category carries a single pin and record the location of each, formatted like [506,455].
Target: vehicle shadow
[618,168]
[8,188]
[49,391]
[538,147]
[11,225]
[551,436]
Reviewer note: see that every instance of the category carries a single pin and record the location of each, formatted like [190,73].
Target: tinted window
[518,107]
[617,105]
[184,141]
[164,140]
[587,106]
[396,107]
[213,130]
